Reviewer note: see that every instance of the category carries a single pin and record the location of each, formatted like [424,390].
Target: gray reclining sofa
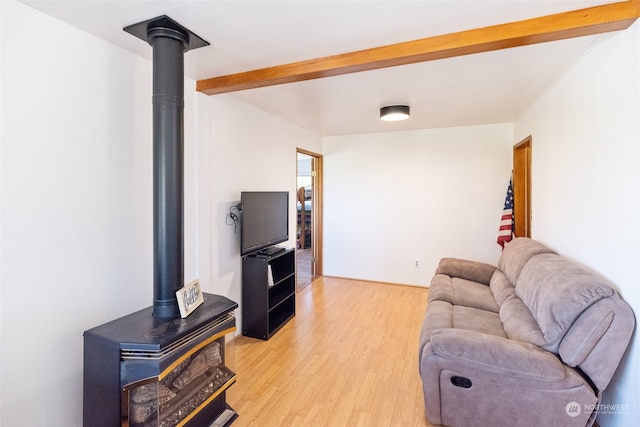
[532,341]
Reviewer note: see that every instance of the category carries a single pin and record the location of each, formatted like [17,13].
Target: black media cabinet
[268,293]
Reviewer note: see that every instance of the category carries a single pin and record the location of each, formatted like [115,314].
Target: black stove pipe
[170,41]
[168,171]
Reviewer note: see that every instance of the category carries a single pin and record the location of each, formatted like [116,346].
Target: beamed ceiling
[328,66]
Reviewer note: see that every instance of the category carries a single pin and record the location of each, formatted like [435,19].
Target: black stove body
[140,370]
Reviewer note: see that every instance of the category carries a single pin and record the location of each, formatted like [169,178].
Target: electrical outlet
[417,264]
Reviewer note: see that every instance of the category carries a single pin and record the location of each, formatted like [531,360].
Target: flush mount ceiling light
[393,113]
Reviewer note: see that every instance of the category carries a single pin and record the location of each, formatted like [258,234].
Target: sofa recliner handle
[461,382]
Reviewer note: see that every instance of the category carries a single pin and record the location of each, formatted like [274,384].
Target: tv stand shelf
[268,293]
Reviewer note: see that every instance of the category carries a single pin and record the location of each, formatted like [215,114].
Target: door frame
[316,210]
[522,188]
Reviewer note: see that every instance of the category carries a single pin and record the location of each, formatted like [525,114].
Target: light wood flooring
[348,358]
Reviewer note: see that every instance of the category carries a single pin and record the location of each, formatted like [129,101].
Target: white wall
[586,181]
[391,199]
[249,151]
[76,198]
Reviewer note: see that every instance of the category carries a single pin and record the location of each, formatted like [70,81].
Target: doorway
[309,218]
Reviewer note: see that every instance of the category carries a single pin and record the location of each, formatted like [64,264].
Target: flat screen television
[265,220]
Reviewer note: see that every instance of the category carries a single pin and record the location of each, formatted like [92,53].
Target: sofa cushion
[556,291]
[475,271]
[444,315]
[461,292]
[501,287]
[516,254]
[441,315]
[474,319]
[519,323]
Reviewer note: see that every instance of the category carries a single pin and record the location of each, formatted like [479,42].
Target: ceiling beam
[577,23]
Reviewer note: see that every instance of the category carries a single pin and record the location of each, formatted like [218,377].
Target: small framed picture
[189,298]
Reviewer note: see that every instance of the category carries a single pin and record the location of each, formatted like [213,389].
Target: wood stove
[151,367]
[142,371]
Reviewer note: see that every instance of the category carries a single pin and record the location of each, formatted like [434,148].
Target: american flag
[505,233]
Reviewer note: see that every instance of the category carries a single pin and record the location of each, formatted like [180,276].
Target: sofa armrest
[466,269]
[496,354]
